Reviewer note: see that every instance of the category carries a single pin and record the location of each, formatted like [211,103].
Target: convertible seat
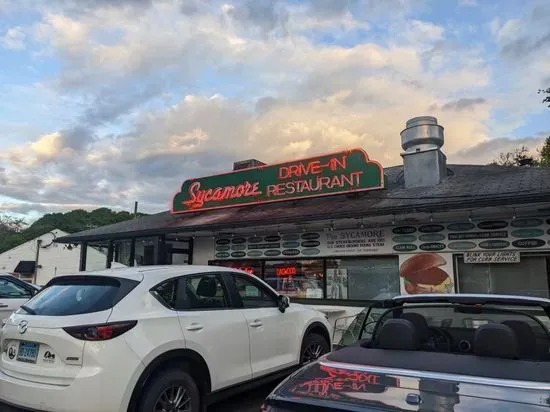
[496,340]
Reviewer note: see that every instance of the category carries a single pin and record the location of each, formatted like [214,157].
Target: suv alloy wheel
[313,347]
[173,390]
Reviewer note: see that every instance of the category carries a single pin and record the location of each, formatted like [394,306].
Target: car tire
[313,347]
[172,385]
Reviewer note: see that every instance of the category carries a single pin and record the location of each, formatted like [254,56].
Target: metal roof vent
[245,164]
[424,162]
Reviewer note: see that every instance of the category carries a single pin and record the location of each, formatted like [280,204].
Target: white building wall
[55,259]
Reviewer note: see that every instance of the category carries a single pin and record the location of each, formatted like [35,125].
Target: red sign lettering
[337,173]
[286,271]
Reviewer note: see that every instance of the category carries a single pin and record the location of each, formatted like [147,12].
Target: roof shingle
[466,186]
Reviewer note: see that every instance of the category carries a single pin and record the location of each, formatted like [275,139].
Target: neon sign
[332,174]
[286,271]
[245,269]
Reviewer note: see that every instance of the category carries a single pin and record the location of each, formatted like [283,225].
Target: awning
[25,267]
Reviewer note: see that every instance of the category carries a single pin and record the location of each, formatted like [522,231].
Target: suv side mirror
[284,302]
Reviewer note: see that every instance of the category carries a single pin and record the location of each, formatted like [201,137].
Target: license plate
[28,352]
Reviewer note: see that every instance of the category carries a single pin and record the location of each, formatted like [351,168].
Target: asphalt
[246,402]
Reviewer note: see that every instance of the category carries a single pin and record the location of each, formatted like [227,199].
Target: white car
[148,339]
[13,293]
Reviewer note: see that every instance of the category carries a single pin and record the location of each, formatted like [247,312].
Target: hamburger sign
[426,273]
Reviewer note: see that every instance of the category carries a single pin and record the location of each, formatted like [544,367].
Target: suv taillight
[100,332]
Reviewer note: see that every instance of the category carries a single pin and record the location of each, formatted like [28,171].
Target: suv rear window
[75,295]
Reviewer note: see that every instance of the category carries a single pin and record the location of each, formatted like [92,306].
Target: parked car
[14,293]
[432,353]
[152,339]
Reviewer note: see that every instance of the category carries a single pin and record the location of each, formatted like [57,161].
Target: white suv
[148,339]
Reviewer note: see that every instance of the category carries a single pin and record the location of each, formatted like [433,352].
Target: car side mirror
[284,302]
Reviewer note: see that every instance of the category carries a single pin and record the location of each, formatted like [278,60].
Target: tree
[546,94]
[10,224]
[544,153]
[518,157]
[13,231]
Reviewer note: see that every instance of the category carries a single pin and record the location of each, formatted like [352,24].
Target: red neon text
[312,168]
[245,269]
[199,196]
[317,184]
[286,271]
[351,376]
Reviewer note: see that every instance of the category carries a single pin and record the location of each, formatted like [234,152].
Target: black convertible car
[431,353]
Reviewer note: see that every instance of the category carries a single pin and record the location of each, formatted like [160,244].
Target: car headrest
[207,287]
[419,322]
[398,334]
[496,340]
[525,335]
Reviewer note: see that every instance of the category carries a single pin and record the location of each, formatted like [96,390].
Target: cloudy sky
[104,102]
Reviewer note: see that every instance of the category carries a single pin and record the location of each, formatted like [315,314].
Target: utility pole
[34,276]
[135,209]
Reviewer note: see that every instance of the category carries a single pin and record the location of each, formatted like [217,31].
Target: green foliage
[544,153]
[546,94]
[517,157]
[520,155]
[13,231]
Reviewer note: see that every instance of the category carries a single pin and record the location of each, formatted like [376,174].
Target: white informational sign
[507,256]
[356,242]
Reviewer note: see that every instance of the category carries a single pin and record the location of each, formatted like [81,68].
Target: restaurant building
[338,230]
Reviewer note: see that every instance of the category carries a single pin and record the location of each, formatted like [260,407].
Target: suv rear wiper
[28,310]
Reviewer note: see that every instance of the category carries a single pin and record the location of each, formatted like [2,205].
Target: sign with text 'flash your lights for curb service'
[336,173]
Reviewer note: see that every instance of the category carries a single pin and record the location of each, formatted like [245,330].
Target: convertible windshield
[451,327]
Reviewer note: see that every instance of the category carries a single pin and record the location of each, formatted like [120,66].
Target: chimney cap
[421,120]
[422,133]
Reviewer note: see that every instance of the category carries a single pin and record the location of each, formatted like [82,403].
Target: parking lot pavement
[246,402]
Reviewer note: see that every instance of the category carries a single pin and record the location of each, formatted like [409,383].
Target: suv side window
[11,290]
[202,291]
[252,294]
[193,292]
[166,293]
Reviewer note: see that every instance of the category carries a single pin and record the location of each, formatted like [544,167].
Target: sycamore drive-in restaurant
[339,230]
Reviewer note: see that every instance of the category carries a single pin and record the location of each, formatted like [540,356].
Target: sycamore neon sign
[336,173]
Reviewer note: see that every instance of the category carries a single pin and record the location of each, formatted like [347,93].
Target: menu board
[351,242]
[488,235]
[455,237]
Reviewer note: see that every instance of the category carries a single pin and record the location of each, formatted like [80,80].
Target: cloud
[13,39]
[522,37]
[487,151]
[464,104]
[265,15]
[161,91]
[468,3]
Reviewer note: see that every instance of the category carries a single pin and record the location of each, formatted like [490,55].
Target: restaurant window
[121,253]
[369,278]
[296,278]
[177,250]
[250,266]
[528,277]
[146,251]
[96,255]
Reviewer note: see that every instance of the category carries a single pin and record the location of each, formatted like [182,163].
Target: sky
[107,102]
